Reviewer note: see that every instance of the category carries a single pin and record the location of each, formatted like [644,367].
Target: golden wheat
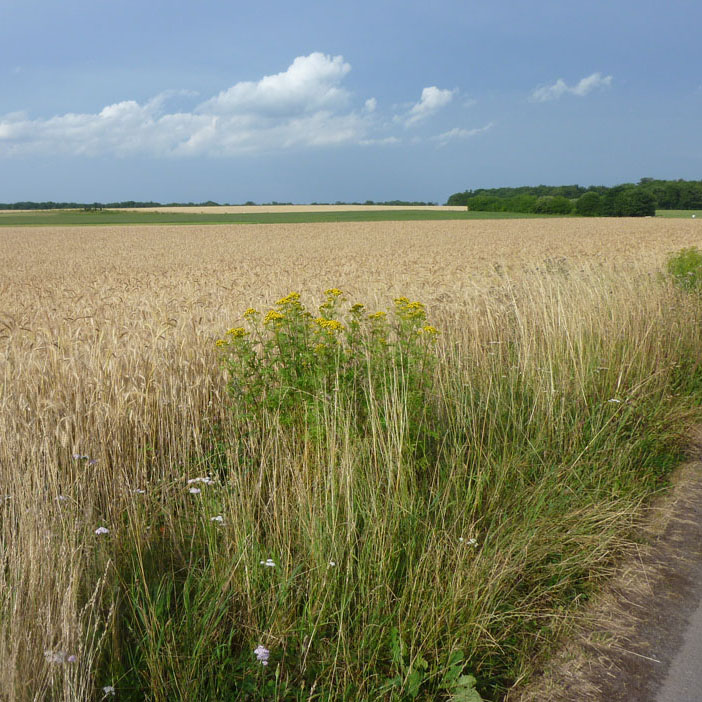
[107,351]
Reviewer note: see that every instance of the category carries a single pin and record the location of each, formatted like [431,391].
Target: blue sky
[322,101]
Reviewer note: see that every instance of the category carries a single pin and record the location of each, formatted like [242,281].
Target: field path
[684,680]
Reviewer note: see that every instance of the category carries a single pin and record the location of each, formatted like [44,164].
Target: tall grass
[556,410]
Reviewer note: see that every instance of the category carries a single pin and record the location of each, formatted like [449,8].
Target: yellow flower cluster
[409,310]
[333,292]
[250,312]
[330,324]
[428,329]
[272,315]
[237,332]
[289,299]
[377,315]
[220,343]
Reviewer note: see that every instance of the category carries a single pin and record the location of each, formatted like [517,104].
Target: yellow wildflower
[401,301]
[358,307]
[377,315]
[272,315]
[220,343]
[319,348]
[428,329]
[237,332]
[250,312]
[290,298]
[333,292]
[330,324]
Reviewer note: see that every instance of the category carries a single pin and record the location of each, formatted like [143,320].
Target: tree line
[133,204]
[626,200]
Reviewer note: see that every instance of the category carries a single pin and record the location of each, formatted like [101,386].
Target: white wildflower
[614,399]
[102,530]
[262,654]
[206,480]
[108,690]
[269,563]
[195,491]
[139,491]
[59,657]
[332,564]
[219,518]
[62,498]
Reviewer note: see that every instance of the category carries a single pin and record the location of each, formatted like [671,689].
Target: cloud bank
[304,106]
[547,93]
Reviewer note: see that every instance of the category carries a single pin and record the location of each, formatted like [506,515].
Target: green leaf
[465,690]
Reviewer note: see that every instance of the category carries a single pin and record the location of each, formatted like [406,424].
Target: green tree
[549,204]
[589,205]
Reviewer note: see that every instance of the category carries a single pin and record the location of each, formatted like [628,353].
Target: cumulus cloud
[546,93]
[304,105]
[431,101]
[310,83]
[460,133]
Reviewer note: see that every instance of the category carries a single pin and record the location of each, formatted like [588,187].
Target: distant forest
[133,204]
[626,200]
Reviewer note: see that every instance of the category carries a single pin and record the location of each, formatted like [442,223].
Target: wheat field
[111,383]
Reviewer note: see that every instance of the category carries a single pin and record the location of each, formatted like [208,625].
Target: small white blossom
[59,657]
[332,564]
[262,654]
[206,480]
[80,457]
[108,690]
[614,399]
[139,491]
[269,563]
[219,518]
[102,530]
[62,498]
[195,491]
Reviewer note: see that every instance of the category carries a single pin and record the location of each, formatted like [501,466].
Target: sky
[324,101]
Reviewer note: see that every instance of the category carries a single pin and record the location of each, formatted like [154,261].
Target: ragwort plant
[298,368]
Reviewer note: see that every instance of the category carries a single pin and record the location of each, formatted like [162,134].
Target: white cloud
[302,106]
[371,104]
[387,141]
[555,91]
[459,133]
[309,84]
[432,100]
